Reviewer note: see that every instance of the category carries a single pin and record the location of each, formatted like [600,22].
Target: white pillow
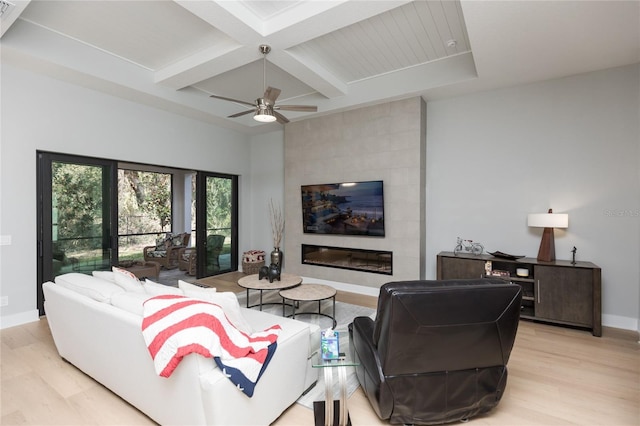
[95,288]
[156,289]
[227,300]
[105,275]
[185,286]
[127,280]
[130,301]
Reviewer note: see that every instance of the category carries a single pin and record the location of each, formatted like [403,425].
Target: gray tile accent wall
[382,142]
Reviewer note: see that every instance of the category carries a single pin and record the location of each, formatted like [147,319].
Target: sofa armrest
[369,369]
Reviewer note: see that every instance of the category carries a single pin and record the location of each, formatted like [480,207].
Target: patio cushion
[157,253]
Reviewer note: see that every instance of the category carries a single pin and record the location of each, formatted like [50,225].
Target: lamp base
[547,251]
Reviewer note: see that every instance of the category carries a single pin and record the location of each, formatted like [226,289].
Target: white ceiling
[333,54]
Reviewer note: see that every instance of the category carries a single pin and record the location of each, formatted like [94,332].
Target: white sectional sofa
[96,326]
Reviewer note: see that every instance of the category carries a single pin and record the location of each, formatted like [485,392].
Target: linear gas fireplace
[375,261]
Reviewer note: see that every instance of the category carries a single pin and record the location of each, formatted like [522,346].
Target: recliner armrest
[362,343]
[369,370]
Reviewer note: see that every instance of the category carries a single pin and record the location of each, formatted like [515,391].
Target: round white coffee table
[252,282]
[309,293]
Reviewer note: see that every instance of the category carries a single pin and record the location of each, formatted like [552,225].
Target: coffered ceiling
[334,54]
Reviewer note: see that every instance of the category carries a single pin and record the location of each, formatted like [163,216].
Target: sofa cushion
[127,280]
[95,288]
[130,301]
[105,275]
[185,286]
[227,300]
[156,289]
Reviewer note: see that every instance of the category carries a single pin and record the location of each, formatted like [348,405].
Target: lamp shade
[548,220]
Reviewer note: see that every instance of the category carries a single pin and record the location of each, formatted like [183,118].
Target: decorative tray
[505,255]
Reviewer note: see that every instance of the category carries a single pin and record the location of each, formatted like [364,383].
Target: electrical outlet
[5,240]
[4,300]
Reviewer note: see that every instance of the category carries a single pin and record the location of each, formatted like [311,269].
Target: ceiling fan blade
[240,114]
[233,100]
[281,118]
[305,108]
[271,94]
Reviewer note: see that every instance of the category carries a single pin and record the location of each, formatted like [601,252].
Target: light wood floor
[556,376]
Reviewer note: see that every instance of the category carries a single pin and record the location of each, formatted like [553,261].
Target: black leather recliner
[438,350]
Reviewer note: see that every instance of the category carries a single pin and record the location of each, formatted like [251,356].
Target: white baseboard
[7,321]
[617,321]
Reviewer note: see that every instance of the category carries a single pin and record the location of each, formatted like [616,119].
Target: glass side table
[330,412]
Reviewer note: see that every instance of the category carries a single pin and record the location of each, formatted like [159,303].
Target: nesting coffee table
[252,282]
[309,293]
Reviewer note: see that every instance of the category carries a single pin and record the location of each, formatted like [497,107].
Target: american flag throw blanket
[174,326]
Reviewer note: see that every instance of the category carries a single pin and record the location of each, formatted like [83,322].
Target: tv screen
[350,208]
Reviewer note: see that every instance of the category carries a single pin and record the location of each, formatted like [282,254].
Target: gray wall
[267,180]
[570,144]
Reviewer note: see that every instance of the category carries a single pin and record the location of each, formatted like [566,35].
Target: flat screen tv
[349,208]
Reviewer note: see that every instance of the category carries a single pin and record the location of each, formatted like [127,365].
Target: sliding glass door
[77,216]
[216,223]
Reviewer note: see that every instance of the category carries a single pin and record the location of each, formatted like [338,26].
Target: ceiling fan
[265,108]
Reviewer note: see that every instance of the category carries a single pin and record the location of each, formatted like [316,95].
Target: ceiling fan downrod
[264,49]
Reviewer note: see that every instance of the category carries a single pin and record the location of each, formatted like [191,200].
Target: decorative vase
[276,257]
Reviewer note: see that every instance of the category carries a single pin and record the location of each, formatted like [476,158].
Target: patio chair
[214,248]
[165,252]
[187,260]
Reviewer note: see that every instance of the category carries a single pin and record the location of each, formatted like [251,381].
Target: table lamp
[548,221]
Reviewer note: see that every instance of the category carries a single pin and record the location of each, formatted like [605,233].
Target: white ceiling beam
[205,64]
[309,21]
[242,30]
[294,26]
[211,62]
[310,73]
[412,81]
[39,50]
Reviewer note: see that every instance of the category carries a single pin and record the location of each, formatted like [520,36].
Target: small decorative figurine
[573,261]
[271,272]
[263,272]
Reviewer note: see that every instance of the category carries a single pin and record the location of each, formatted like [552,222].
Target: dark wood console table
[554,292]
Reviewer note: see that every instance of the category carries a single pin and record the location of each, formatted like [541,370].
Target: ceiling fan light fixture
[264,115]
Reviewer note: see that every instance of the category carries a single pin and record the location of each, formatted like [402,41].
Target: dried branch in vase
[277,223]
